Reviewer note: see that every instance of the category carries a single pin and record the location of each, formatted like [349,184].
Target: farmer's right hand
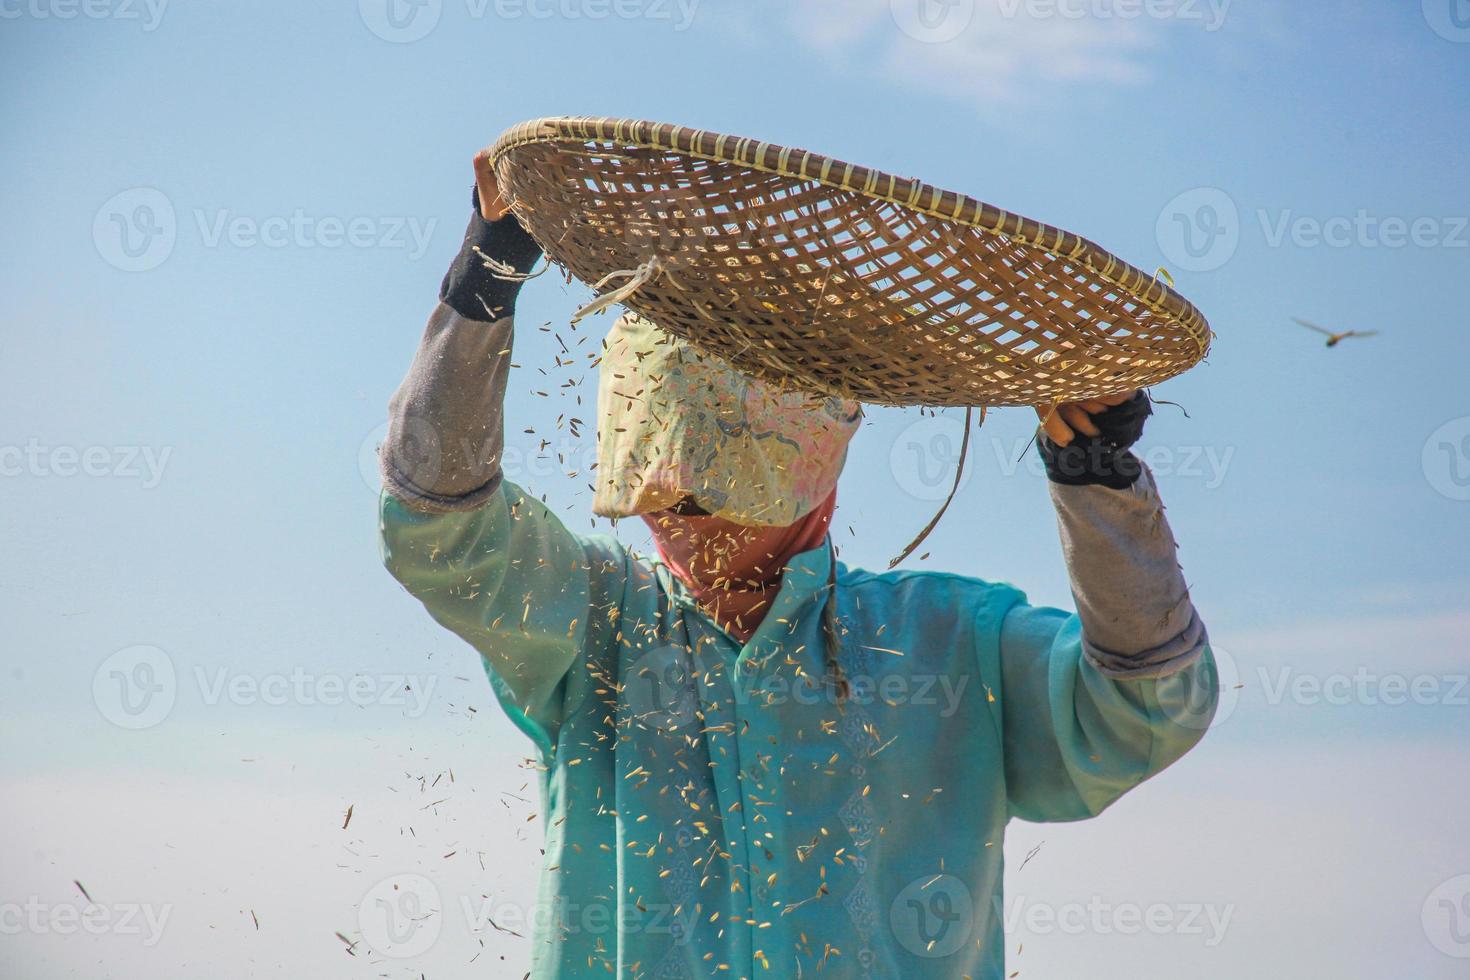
[1063,423]
[492,205]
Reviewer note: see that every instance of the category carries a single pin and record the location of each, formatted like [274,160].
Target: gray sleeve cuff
[1168,658]
[1138,621]
[446,420]
[397,485]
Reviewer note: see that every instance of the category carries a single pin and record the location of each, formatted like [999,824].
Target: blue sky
[185,411]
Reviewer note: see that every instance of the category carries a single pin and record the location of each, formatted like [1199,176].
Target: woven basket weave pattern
[811,272]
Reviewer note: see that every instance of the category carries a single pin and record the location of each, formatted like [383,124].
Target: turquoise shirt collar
[803,584]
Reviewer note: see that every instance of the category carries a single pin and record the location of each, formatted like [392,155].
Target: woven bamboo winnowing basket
[823,275]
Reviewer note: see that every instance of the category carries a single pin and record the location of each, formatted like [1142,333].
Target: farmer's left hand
[1064,422]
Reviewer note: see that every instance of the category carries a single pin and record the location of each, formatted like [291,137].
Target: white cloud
[986,51]
[1337,827]
[247,870]
[1315,859]
[1318,857]
[1407,641]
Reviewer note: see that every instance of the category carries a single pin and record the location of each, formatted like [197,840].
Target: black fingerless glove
[1101,460]
[471,289]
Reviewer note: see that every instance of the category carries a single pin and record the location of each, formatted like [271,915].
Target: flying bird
[1333,339]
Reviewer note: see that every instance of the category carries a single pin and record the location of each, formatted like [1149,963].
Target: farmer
[757,762]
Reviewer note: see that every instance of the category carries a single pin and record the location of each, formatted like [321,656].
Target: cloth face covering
[734,571]
[675,423]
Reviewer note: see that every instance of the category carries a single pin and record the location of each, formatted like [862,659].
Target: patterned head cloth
[676,423]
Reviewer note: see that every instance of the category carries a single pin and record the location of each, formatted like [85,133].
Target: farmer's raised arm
[487,561]
[446,427]
[1097,702]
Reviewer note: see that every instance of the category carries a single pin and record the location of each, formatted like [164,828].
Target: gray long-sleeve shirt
[446,437]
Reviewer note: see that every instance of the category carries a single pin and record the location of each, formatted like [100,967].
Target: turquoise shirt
[711,810]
